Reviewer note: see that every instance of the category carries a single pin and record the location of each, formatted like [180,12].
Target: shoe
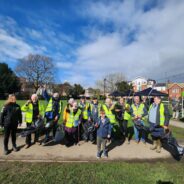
[36,142]
[154,146]
[105,155]
[137,142]
[158,150]
[15,148]
[45,142]
[6,152]
[127,141]
[98,156]
[27,146]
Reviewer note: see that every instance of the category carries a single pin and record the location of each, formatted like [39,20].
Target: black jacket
[11,115]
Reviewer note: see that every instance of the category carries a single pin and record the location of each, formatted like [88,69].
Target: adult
[85,108]
[52,113]
[72,116]
[34,110]
[138,112]
[158,118]
[11,117]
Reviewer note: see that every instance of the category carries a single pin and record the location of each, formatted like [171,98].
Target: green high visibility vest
[109,114]
[50,106]
[85,111]
[126,114]
[138,111]
[72,121]
[92,106]
[29,111]
[161,110]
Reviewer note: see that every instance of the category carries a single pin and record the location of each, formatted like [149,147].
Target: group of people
[86,120]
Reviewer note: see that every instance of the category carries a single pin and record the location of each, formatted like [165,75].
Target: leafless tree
[110,82]
[37,69]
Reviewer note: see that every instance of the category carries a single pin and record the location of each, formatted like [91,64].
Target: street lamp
[104,85]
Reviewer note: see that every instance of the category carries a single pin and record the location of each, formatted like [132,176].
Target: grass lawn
[111,172]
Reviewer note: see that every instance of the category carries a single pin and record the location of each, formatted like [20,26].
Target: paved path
[176,123]
[84,152]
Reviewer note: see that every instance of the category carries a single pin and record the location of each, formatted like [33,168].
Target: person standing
[103,133]
[138,112]
[125,113]
[94,115]
[110,114]
[85,108]
[158,117]
[176,109]
[71,119]
[52,112]
[11,117]
[34,110]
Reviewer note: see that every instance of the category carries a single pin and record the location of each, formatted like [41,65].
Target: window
[175,90]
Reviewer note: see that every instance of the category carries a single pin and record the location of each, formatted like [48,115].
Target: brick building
[175,90]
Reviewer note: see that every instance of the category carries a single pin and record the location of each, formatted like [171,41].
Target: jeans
[101,142]
[138,132]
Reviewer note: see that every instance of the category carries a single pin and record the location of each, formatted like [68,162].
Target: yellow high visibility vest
[72,121]
[85,111]
[29,111]
[109,114]
[161,110]
[126,114]
[50,106]
[138,111]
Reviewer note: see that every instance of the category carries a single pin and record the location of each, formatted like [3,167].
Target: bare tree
[110,81]
[37,69]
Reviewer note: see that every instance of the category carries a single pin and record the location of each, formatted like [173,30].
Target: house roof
[181,85]
[139,77]
[160,85]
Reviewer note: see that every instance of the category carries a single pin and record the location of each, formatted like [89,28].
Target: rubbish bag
[158,132]
[27,131]
[49,124]
[170,144]
[60,134]
[38,125]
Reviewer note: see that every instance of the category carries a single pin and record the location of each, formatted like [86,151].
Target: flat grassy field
[94,173]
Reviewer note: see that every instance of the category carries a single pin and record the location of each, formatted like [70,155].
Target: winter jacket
[104,129]
[11,115]
[56,106]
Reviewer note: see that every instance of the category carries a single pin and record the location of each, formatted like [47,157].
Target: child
[103,133]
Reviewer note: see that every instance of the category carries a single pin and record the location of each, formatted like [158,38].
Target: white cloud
[157,43]
[13,47]
[64,65]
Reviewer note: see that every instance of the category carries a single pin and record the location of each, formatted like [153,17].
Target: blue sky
[89,39]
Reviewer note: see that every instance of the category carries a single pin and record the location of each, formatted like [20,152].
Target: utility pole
[104,85]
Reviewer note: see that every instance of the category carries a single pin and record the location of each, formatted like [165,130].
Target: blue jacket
[104,129]
[51,115]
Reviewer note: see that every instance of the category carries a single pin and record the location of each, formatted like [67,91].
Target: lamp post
[104,85]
